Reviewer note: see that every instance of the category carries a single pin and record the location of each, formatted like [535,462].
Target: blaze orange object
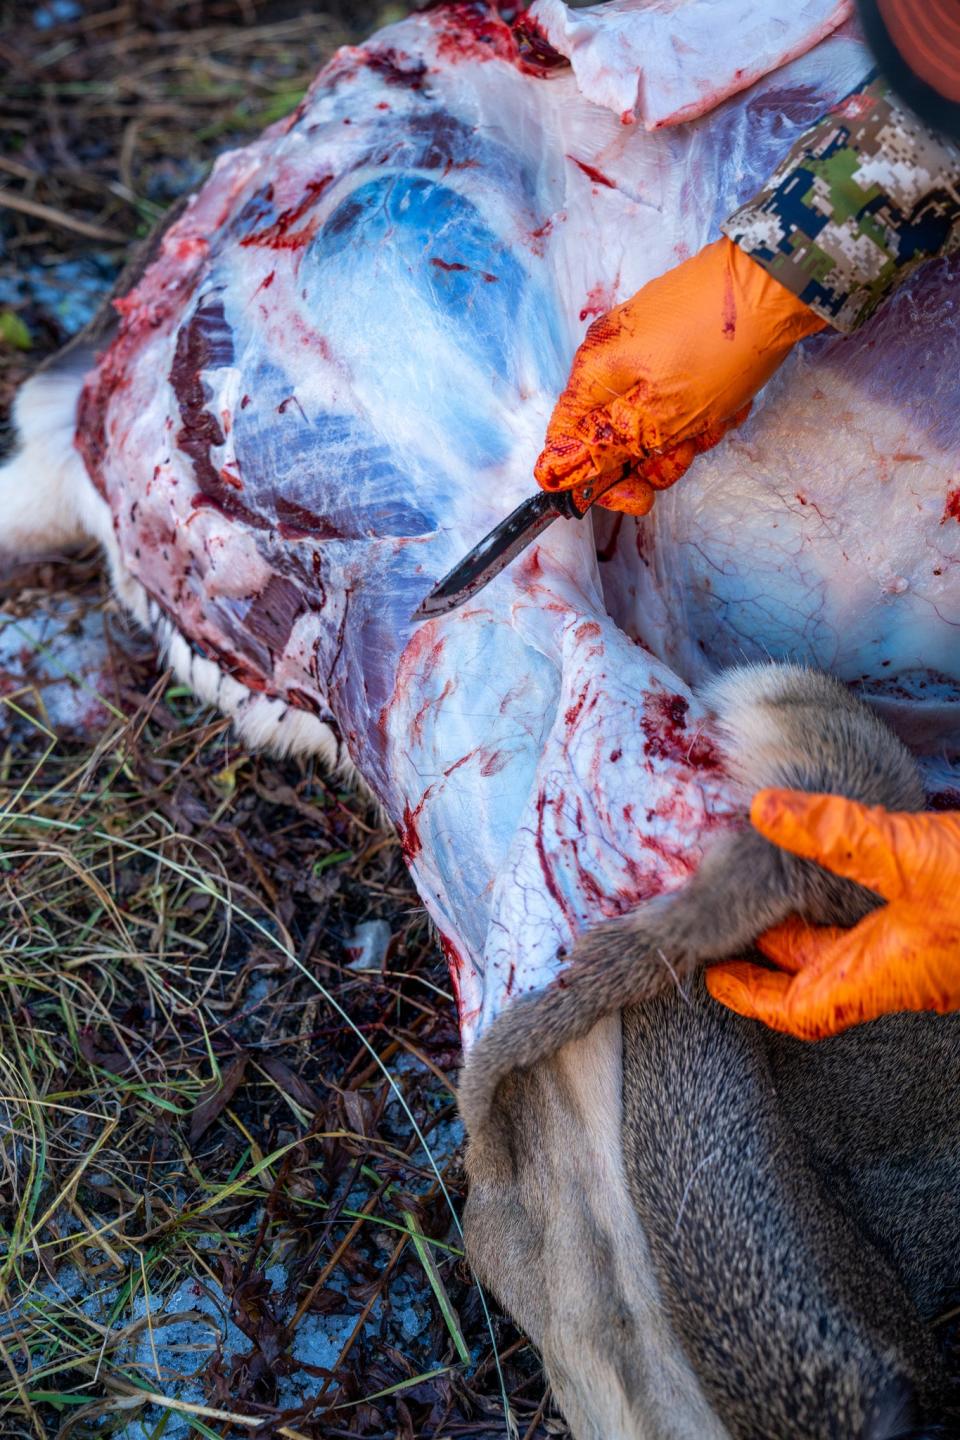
[665,375]
[904,956]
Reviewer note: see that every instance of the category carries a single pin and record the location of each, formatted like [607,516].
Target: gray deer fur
[755,1229]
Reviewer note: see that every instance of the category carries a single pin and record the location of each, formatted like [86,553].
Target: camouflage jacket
[864,196]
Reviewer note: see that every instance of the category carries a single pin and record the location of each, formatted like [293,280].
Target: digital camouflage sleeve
[864,196]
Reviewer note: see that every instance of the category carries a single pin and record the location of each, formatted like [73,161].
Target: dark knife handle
[574,504]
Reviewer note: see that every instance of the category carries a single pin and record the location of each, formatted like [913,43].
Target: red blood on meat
[284,406]
[538,236]
[280,235]
[592,173]
[423,654]
[205,342]
[664,723]
[410,840]
[395,67]
[112,375]
[537,56]
[574,711]
[464,759]
[530,564]
[90,436]
[456,965]
[301,700]
[643,885]
[670,856]
[598,302]
[453,957]
[952,508]
[297,522]
[474,32]
[233,665]
[231,507]
[409,835]
[417,664]
[433,702]
[591,888]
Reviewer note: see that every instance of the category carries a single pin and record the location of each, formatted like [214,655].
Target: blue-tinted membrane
[416,228]
[432,308]
[327,476]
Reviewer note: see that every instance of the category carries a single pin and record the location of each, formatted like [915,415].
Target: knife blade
[506,541]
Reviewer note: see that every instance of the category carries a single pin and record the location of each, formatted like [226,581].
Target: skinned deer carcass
[333,377]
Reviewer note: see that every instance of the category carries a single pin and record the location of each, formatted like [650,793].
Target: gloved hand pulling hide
[904,956]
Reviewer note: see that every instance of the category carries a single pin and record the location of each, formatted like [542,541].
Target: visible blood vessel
[545,863]
[598,302]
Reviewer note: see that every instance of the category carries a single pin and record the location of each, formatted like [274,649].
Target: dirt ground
[230,1163]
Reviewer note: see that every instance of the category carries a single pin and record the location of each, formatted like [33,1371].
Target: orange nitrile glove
[904,956]
[665,375]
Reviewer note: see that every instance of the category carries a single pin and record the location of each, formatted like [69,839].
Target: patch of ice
[59,656]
